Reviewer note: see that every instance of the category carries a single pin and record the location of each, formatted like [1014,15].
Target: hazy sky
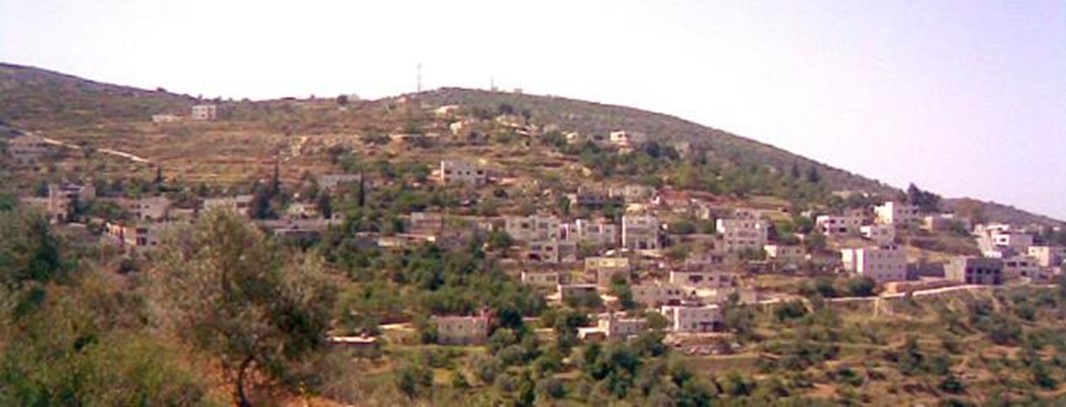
[961,97]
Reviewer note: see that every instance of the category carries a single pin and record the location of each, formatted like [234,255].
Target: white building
[839,225]
[610,325]
[462,172]
[742,234]
[204,112]
[884,263]
[880,234]
[895,213]
[620,138]
[332,181]
[641,232]
[597,232]
[692,318]
[532,228]
[1048,256]
[239,204]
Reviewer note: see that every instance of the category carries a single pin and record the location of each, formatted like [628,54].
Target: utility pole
[419,77]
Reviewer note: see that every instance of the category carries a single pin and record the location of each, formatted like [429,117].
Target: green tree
[226,291]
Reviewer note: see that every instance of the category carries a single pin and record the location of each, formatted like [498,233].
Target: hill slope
[41,99]
[38,99]
[595,118]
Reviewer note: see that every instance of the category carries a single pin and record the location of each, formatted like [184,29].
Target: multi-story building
[975,270]
[462,172]
[1022,267]
[685,318]
[943,222]
[896,213]
[532,228]
[65,199]
[138,237]
[597,232]
[151,209]
[883,263]
[641,232]
[839,225]
[741,234]
[204,112]
[656,294]
[1048,256]
[552,251]
[880,234]
[462,330]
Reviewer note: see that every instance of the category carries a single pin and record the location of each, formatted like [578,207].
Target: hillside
[113,116]
[40,99]
[995,212]
[595,118]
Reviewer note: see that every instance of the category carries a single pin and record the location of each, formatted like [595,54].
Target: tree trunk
[242,398]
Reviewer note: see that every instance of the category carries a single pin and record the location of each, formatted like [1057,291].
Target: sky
[961,97]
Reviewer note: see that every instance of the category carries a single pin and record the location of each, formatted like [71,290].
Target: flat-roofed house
[975,270]
[462,330]
[462,172]
[882,263]
[685,318]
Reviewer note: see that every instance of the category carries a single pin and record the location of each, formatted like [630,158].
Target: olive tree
[224,288]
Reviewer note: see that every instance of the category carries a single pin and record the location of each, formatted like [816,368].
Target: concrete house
[204,112]
[462,330]
[610,326]
[839,225]
[656,294]
[239,204]
[598,232]
[552,251]
[532,228]
[1023,268]
[975,270]
[568,292]
[880,234]
[151,209]
[685,318]
[545,279]
[703,279]
[785,254]
[333,181]
[641,232]
[1048,256]
[896,213]
[883,263]
[740,234]
[463,173]
[592,198]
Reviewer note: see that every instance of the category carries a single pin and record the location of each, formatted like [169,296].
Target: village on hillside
[611,246]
